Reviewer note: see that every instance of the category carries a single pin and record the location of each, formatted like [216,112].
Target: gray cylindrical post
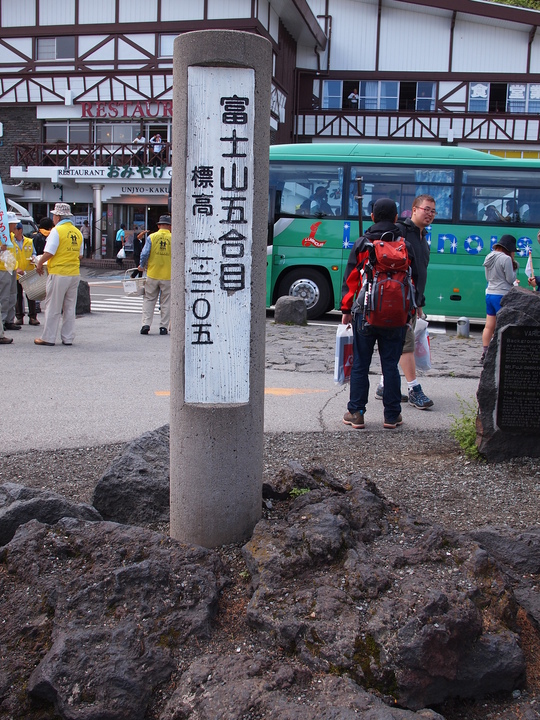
[221,133]
[463,325]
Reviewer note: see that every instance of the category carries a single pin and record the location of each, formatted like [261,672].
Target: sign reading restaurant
[127,109]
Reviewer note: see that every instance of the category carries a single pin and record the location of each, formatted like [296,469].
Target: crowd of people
[396,342]
[56,249]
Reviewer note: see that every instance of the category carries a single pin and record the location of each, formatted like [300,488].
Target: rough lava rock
[19,504]
[83,298]
[350,585]
[234,687]
[290,311]
[100,609]
[355,609]
[135,489]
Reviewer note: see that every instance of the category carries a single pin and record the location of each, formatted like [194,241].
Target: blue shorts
[493,304]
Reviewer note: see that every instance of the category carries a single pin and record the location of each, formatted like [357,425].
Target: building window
[332,94]
[478,97]
[166,45]
[504,97]
[60,48]
[425,96]
[64,132]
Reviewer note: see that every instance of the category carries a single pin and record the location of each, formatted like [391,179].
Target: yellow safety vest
[159,260]
[24,254]
[66,259]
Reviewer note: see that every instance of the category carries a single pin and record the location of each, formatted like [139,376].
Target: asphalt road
[113,383]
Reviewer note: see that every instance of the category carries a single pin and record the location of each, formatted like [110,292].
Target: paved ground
[113,384]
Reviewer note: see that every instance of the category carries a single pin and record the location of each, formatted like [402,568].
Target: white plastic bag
[344,354]
[121,254]
[422,348]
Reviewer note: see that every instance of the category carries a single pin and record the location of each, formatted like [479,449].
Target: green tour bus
[314,220]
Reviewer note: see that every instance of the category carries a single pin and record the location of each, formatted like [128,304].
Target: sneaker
[145,329]
[392,424]
[355,420]
[417,398]
[379,394]
[162,331]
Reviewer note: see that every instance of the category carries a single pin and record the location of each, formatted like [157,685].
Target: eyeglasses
[428,210]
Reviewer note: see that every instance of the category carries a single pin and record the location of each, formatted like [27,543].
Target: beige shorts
[408,345]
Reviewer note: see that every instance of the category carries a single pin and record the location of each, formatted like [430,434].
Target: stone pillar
[96,224]
[221,136]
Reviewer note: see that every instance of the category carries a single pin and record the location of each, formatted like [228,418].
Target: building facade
[80,81]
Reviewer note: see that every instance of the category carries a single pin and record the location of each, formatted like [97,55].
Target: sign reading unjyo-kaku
[218,242]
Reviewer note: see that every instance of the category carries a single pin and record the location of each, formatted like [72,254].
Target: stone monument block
[508,423]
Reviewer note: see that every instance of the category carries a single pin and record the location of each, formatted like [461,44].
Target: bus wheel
[311,286]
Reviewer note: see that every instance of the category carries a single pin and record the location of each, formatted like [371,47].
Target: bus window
[402,184]
[307,190]
[489,197]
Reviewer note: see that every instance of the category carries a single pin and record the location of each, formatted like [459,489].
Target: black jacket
[419,254]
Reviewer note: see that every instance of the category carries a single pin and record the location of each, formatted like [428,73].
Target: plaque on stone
[518,395]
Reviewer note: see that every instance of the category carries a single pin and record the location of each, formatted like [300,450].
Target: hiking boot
[355,420]
[418,400]
[392,424]
[379,394]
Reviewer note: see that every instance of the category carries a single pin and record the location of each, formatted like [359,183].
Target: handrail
[90,154]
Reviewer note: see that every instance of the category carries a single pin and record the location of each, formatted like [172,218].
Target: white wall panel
[274,25]
[482,47]
[176,10]
[87,42]
[219,9]
[23,45]
[138,11]
[535,54]
[262,12]
[145,42]
[96,11]
[427,41]
[56,12]
[446,88]
[354,32]
[18,14]
[305,57]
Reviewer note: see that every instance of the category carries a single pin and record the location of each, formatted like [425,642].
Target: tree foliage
[533,4]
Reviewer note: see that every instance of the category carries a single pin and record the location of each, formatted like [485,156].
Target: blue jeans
[390,344]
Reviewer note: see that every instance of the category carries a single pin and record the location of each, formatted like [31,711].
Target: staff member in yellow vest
[63,252]
[156,258]
[24,247]
[8,276]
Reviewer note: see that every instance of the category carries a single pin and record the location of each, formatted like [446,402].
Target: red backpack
[387,294]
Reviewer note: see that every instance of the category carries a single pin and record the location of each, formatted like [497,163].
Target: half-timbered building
[80,80]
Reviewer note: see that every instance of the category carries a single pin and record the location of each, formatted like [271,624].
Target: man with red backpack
[378,298]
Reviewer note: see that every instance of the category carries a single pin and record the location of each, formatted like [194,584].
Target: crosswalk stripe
[120,304]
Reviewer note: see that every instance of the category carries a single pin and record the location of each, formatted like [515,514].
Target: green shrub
[463,428]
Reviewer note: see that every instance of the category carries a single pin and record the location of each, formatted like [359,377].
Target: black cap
[164,220]
[46,224]
[384,209]
[508,242]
